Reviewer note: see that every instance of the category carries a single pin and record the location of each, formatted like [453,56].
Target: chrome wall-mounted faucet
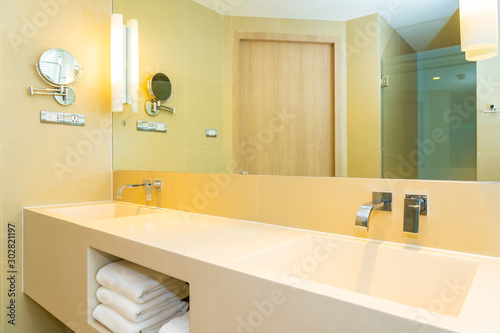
[380,201]
[415,205]
[146,184]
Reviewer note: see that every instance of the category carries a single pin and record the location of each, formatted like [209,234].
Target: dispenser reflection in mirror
[59,69]
[124,63]
[160,89]
[479,29]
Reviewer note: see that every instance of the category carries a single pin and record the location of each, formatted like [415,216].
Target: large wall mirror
[408,106]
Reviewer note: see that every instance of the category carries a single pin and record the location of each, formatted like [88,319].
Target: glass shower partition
[429,116]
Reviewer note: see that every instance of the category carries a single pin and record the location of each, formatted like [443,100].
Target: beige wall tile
[363,119]
[214,194]
[256,24]
[204,42]
[313,27]
[149,159]
[32,317]
[462,216]
[199,161]
[228,37]
[488,136]
[33,19]
[363,96]
[362,51]
[163,43]
[364,165]
[31,152]
[227,117]
[44,175]
[489,166]
[204,110]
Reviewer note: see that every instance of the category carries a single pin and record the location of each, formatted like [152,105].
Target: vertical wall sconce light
[124,63]
[479,29]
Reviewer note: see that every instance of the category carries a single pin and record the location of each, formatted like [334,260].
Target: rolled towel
[116,323]
[138,283]
[177,325]
[139,312]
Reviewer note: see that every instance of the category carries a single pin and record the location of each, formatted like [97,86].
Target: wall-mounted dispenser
[59,69]
[160,88]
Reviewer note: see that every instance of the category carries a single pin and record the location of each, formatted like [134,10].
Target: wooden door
[286,108]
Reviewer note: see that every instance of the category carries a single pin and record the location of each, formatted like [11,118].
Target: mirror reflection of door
[286,119]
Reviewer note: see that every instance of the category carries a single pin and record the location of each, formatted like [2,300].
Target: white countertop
[222,241]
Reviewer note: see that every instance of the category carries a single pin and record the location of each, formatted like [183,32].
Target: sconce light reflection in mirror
[479,29]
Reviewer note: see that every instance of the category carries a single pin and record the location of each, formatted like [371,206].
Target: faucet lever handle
[419,202]
[414,206]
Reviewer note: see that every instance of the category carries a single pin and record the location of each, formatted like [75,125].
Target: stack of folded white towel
[135,299]
[177,325]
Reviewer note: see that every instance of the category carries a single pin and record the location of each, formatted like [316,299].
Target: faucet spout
[381,201]
[146,184]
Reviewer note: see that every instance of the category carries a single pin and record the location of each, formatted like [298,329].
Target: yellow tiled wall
[462,216]
[488,135]
[369,40]
[182,39]
[363,97]
[45,164]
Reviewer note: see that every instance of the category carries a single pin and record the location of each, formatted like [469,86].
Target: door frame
[338,80]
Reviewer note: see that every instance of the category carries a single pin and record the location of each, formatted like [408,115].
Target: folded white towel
[116,323]
[177,325]
[139,312]
[136,282]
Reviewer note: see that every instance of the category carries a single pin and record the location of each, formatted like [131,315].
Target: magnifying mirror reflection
[160,87]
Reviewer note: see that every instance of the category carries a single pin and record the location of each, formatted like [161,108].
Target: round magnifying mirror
[160,87]
[59,67]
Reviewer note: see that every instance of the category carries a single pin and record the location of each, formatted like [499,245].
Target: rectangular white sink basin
[102,211]
[406,275]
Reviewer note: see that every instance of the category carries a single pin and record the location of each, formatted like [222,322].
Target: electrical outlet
[74,119]
[150,126]
[211,133]
[51,117]
[62,118]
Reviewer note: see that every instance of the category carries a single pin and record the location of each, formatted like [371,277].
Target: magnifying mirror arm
[157,106]
[61,91]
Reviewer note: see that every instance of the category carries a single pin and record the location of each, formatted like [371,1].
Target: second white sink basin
[102,211]
[407,275]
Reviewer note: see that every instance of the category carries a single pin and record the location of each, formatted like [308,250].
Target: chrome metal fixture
[380,201]
[414,206]
[59,69]
[491,108]
[160,88]
[146,185]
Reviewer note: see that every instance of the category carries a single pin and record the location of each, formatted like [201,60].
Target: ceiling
[399,13]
